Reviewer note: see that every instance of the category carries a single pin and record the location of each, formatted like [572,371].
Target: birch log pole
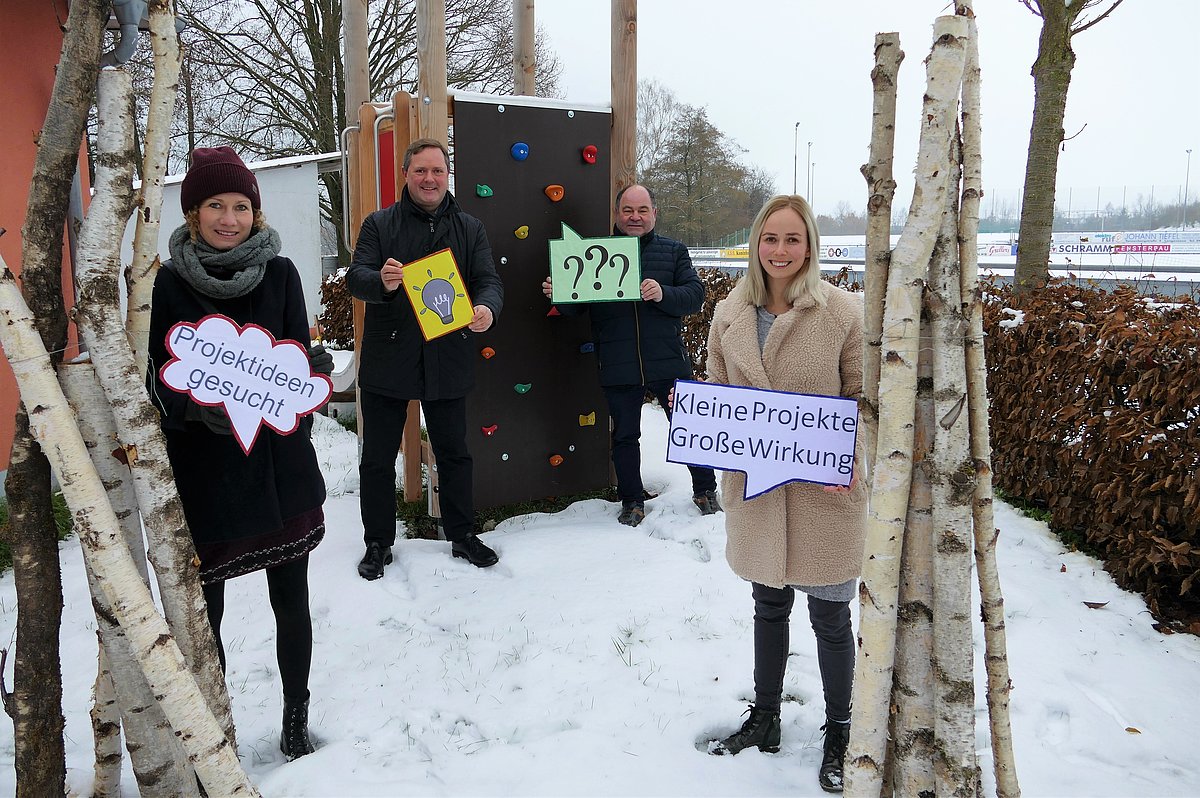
[953,479]
[912,721]
[53,425]
[103,332]
[865,759]
[999,684]
[140,277]
[159,763]
[106,733]
[881,188]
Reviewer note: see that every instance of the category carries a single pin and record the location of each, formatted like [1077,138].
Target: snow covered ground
[596,659]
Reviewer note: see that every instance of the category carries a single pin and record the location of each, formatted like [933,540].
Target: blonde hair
[192,220]
[807,281]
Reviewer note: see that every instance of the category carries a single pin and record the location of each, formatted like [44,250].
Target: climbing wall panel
[537,422]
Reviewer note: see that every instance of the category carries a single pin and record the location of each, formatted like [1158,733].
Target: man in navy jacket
[639,348]
[396,364]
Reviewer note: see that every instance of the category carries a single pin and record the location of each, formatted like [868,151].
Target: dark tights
[835,648]
[288,588]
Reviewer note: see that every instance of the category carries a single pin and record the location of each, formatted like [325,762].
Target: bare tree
[701,186]
[658,110]
[1061,21]
[267,76]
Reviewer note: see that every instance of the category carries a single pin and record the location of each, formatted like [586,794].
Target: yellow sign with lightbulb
[437,293]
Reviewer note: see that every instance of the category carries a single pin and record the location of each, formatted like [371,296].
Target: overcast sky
[761,66]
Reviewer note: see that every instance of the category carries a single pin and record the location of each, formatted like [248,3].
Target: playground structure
[33,39]
[537,421]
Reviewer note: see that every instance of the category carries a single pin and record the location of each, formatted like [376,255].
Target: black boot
[761,730]
[294,741]
[837,737]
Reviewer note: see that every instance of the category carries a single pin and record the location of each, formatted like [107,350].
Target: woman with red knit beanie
[255,510]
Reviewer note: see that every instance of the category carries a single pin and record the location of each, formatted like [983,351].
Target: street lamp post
[795,154]
[808,191]
[811,184]
[1187,174]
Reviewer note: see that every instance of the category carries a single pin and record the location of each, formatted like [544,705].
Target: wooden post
[524,55]
[624,95]
[354,29]
[432,112]
[404,122]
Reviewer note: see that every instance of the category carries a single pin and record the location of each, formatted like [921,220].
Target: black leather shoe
[761,730]
[372,564]
[474,551]
[833,757]
[295,741]
[707,502]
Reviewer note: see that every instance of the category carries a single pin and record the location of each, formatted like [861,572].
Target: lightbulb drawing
[438,295]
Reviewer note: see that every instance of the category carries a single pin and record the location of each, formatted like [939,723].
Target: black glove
[320,360]
[214,418]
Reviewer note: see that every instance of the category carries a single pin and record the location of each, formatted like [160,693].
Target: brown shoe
[707,502]
[632,513]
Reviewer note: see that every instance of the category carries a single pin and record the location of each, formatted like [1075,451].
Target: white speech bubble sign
[257,379]
[773,437]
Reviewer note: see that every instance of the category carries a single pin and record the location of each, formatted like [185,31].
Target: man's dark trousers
[382,423]
[625,408]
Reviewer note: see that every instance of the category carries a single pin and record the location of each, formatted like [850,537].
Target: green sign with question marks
[594,269]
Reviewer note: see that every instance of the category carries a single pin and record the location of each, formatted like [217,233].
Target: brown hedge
[1095,403]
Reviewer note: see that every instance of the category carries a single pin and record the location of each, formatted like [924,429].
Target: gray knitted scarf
[223,273]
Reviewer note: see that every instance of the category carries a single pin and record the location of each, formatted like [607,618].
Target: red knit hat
[217,170]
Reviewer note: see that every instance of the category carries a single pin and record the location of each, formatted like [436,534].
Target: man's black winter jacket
[395,360]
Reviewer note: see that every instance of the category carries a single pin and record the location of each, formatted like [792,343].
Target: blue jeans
[625,408]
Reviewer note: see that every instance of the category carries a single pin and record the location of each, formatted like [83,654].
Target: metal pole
[795,154]
[1187,174]
[808,171]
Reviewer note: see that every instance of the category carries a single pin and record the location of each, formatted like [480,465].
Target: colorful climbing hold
[520,151]
[589,420]
[556,459]
[522,231]
[487,352]
[588,347]
[589,153]
[483,190]
[554,192]
[488,431]
[522,387]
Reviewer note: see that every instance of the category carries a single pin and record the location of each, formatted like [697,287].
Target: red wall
[30,41]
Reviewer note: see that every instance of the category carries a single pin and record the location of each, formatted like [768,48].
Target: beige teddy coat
[796,534]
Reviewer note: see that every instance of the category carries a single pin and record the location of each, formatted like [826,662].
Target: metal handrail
[346,186]
[378,187]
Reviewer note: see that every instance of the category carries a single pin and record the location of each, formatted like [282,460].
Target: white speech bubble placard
[774,437]
[257,379]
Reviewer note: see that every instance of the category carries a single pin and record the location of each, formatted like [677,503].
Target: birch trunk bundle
[926,412]
[159,678]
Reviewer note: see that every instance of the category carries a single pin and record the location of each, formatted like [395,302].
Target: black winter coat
[395,359]
[639,342]
[235,503]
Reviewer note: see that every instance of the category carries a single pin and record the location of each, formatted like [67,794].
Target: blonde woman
[783,328]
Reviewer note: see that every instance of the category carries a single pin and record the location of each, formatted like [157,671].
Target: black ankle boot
[760,730]
[294,741]
[837,737]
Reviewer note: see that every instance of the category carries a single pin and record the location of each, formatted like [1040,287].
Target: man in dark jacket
[639,348]
[396,364]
